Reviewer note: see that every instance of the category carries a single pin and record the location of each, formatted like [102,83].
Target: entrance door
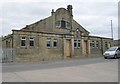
[68,48]
[85,52]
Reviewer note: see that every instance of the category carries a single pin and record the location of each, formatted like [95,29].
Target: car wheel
[105,57]
[115,56]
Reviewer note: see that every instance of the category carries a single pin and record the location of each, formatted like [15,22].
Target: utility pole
[111,29]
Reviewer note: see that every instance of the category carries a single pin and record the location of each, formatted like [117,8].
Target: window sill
[31,46]
[24,47]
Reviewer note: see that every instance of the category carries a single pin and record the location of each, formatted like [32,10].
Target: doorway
[68,48]
[85,48]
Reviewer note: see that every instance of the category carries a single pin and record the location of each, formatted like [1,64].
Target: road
[76,70]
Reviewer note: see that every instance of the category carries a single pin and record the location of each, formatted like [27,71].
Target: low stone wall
[36,58]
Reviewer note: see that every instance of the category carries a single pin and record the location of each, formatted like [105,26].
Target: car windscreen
[112,49]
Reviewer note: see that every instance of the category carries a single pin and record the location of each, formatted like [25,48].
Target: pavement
[77,70]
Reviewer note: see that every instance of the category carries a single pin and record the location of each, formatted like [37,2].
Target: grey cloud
[17,15]
[98,8]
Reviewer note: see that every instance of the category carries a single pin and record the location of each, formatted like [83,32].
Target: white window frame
[106,43]
[48,39]
[78,41]
[92,42]
[97,44]
[59,24]
[75,41]
[32,40]
[23,40]
[67,24]
[55,40]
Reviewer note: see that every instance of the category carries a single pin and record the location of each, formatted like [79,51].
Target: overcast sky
[93,15]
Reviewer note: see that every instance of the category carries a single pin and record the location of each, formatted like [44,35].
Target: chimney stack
[69,8]
[52,12]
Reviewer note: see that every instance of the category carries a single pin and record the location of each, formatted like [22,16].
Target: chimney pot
[69,8]
[52,12]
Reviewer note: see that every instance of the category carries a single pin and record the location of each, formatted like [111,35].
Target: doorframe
[71,49]
[87,47]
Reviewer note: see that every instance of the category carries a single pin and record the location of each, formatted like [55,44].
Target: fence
[7,55]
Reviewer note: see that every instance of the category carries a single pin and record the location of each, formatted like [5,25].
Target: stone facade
[55,38]
[117,42]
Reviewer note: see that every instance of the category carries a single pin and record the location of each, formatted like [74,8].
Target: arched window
[62,24]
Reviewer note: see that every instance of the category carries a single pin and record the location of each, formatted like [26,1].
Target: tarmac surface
[76,70]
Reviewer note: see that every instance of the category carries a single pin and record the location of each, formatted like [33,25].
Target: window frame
[92,44]
[48,40]
[55,40]
[31,40]
[68,23]
[75,41]
[63,24]
[97,44]
[23,39]
[106,44]
[78,42]
[59,21]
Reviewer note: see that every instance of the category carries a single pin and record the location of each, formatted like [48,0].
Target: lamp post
[112,33]
[111,29]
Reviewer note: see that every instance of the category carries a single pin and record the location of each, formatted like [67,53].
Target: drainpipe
[13,52]
[53,20]
[101,46]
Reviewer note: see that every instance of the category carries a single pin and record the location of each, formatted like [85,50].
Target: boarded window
[31,43]
[48,42]
[23,41]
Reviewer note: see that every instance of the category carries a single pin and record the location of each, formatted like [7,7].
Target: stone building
[56,37]
[117,42]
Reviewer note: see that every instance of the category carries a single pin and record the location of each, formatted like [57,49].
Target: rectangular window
[78,43]
[57,23]
[67,25]
[92,44]
[55,43]
[75,43]
[31,43]
[48,42]
[97,44]
[63,24]
[106,45]
[23,41]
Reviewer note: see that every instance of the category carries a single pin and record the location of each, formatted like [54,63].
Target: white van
[113,52]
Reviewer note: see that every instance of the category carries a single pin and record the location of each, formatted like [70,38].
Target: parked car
[113,52]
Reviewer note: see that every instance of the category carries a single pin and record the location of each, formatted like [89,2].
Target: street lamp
[111,30]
